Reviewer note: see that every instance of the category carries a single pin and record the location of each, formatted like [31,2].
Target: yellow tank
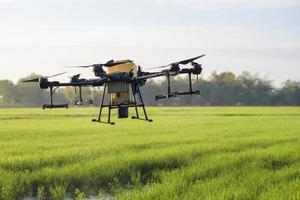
[125,67]
[122,97]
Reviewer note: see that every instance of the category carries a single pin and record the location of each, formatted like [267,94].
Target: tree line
[220,89]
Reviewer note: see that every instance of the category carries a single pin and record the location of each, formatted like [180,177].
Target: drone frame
[134,82]
[135,91]
[51,105]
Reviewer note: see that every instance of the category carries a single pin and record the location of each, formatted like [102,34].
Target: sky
[259,36]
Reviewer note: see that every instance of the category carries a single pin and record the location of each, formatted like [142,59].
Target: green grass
[186,153]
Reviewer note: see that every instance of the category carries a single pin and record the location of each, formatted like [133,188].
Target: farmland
[186,153]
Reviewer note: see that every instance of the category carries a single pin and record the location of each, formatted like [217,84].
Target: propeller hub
[98,70]
[44,83]
[197,68]
[75,78]
[175,67]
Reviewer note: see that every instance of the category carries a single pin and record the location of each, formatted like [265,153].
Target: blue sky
[257,36]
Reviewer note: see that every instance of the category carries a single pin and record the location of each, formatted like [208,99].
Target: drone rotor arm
[87,82]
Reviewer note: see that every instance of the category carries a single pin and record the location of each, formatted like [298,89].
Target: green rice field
[185,153]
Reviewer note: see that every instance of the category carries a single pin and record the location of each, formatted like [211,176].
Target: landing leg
[190,83]
[51,105]
[102,102]
[101,105]
[51,96]
[80,94]
[143,105]
[109,111]
[135,103]
[169,84]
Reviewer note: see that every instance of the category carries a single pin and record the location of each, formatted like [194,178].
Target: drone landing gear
[101,107]
[55,106]
[176,94]
[135,90]
[134,117]
[81,102]
[51,105]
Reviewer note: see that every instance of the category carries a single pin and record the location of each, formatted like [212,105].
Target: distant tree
[29,94]
[220,89]
[225,89]
[8,93]
[290,93]
[69,94]
[255,90]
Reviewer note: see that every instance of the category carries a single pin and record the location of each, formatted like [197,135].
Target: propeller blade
[56,75]
[37,79]
[82,66]
[111,63]
[33,80]
[108,63]
[160,67]
[184,62]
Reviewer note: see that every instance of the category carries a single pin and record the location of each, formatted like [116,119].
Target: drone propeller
[160,67]
[31,80]
[80,66]
[55,75]
[109,63]
[183,62]
[37,79]
[75,76]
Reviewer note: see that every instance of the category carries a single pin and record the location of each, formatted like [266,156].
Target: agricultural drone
[122,81]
